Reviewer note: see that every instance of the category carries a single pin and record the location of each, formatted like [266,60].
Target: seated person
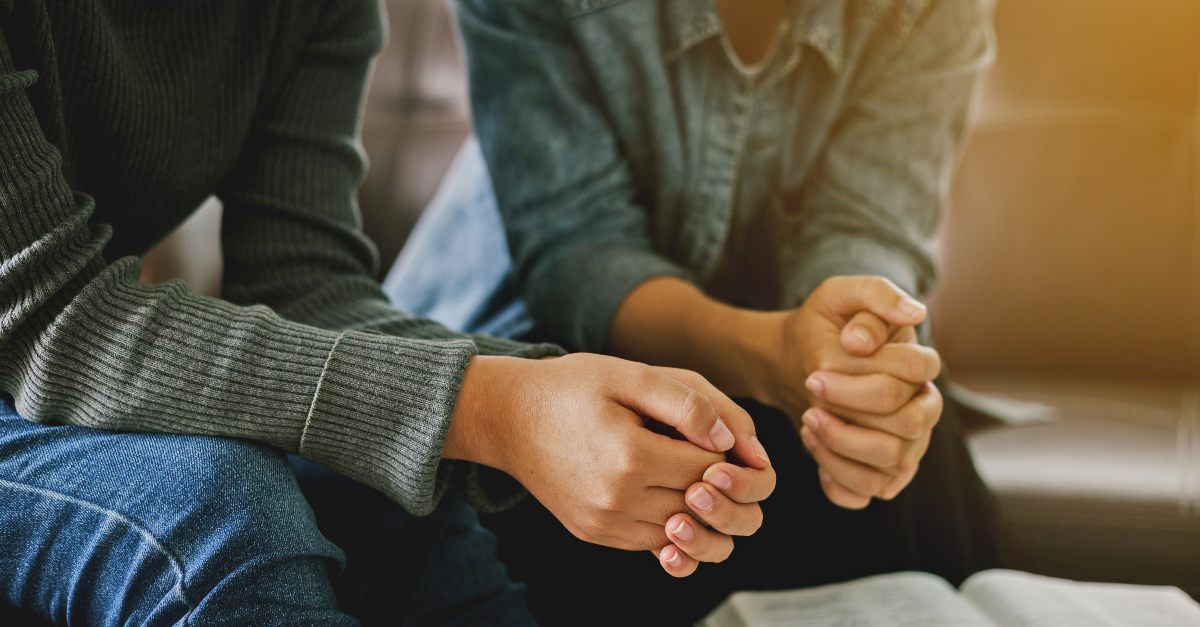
[117,120]
[706,185]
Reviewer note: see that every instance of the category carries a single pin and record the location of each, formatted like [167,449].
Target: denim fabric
[105,528]
[623,142]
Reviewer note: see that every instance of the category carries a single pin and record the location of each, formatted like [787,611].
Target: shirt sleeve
[578,239]
[312,364]
[878,189]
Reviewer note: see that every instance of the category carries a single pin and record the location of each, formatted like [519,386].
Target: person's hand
[724,502]
[573,430]
[866,400]
[869,456]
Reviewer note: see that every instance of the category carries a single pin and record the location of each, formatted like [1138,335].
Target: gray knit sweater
[116,120]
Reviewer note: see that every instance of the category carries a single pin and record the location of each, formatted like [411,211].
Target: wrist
[476,432]
[758,353]
[743,342]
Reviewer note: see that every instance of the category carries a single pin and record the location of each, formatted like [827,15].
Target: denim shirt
[625,141]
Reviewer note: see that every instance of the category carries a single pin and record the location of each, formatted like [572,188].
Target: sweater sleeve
[292,240]
[82,341]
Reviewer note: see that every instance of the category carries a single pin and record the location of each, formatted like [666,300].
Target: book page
[1015,598]
[899,599]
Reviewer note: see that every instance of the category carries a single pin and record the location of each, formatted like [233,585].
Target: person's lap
[439,569]
[155,529]
[942,523]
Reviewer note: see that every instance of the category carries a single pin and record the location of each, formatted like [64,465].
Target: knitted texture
[116,120]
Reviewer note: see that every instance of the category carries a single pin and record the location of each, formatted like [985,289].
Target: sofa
[1071,277]
[1070,256]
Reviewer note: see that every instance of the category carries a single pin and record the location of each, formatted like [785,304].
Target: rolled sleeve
[587,284]
[878,191]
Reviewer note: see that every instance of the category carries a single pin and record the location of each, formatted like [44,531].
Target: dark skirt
[943,523]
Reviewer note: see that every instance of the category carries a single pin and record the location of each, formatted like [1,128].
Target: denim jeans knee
[106,528]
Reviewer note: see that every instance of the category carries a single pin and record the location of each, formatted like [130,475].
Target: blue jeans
[112,528]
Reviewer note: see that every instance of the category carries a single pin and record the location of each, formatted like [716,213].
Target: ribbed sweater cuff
[382,409]
[381,412]
[489,345]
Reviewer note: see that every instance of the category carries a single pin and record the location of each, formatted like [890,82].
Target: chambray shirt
[625,141]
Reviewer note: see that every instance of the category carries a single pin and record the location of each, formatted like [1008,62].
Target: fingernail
[758,449]
[720,479]
[911,308]
[683,531]
[826,477]
[812,419]
[721,436]
[701,499]
[670,555]
[815,385]
[862,336]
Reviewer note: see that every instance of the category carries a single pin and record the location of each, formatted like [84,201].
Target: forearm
[668,321]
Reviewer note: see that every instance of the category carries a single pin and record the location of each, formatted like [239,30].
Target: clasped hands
[865,406]
[574,430]
[868,405]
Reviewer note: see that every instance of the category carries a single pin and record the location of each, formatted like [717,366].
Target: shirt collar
[819,24]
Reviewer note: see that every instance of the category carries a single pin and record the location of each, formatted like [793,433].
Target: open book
[987,599]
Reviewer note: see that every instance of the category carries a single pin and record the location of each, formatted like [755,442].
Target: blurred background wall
[1072,238]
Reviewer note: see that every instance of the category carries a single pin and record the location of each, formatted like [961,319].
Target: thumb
[668,400]
[747,448]
[866,333]
[844,296]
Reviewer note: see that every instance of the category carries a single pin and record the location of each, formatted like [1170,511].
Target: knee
[245,494]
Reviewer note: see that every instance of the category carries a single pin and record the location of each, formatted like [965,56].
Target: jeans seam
[147,536]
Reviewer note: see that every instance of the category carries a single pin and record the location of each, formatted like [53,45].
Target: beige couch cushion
[1072,277]
[1110,490]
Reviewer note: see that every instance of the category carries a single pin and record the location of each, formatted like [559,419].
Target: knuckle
[876,282]
[939,404]
[913,424]
[608,502]
[693,411]
[879,287]
[756,521]
[589,528]
[721,518]
[916,365]
[768,481]
[645,377]
[654,541]
[893,395]
[889,454]
[935,364]
[724,550]
[625,466]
